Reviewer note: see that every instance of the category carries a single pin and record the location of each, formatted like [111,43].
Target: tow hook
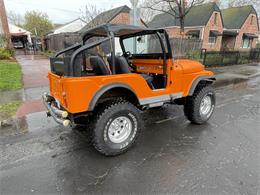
[48,114]
[60,116]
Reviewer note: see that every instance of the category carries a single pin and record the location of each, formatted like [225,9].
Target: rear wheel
[116,127]
[199,107]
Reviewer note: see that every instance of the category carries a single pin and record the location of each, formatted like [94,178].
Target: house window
[252,20]
[246,43]
[212,38]
[216,18]
[193,36]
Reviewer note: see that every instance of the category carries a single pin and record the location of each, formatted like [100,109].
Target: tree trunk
[4,23]
[182,26]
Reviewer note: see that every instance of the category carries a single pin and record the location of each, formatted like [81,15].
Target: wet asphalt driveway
[172,155]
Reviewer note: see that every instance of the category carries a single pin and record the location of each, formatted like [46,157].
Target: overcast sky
[60,11]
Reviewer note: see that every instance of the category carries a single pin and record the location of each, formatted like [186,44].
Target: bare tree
[235,3]
[218,2]
[94,16]
[89,12]
[178,9]
[145,13]
[15,18]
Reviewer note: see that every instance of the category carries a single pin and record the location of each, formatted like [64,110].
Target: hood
[190,66]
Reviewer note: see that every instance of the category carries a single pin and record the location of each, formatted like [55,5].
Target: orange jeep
[116,72]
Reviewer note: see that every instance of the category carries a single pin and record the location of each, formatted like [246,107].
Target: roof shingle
[106,17]
[198,16]
[235,17]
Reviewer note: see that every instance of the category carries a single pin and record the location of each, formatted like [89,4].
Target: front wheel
[200,107]
[116,127]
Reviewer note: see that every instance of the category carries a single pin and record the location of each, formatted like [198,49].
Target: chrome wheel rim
[205,105]
[120,129]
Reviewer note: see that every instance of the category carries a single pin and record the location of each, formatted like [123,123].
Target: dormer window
[216,18]
[252,20]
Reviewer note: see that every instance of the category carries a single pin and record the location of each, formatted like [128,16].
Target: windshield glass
[144,44]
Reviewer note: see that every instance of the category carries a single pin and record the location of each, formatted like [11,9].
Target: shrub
[50,53]
[244,58]
[194,54]
[5,54]
[3,41]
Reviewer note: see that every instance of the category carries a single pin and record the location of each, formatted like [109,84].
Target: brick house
[241,28]
[234,28]
[119,15]
[202,22]
[71,31]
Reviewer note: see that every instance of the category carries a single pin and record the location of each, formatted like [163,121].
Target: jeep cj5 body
[116,72]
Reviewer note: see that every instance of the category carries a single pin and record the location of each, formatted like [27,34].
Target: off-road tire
[193,103]
[105,114]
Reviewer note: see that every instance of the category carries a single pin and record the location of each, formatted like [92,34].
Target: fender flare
[210,79]
[106,88]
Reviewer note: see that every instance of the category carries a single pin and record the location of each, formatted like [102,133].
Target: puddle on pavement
[10,96]
[240,85]
[255,64]
[248,72]
[240,88]
[29,123]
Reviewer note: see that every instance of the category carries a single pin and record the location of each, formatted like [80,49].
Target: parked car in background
[18,45]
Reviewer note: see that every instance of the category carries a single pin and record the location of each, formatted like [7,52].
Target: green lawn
[10,76]
[9,109]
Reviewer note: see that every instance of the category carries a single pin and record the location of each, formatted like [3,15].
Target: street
[172,156]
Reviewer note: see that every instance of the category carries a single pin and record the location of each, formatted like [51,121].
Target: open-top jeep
[116,72]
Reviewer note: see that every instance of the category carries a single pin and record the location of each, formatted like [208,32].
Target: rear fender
[105,89]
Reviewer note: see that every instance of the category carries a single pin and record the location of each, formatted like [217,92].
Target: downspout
[202,36]
[202,33]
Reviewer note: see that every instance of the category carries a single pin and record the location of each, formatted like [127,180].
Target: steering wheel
[129,55]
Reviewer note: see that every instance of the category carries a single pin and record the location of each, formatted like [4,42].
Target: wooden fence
[57,42]
[181,47]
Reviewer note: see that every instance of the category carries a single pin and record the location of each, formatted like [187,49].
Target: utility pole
[4,22]
[135,18]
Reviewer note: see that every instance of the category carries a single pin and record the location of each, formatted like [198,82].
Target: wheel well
[200,82]
[195,86]
[206,82]
[118,92]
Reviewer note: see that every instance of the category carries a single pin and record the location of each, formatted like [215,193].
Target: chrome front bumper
[60,116]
